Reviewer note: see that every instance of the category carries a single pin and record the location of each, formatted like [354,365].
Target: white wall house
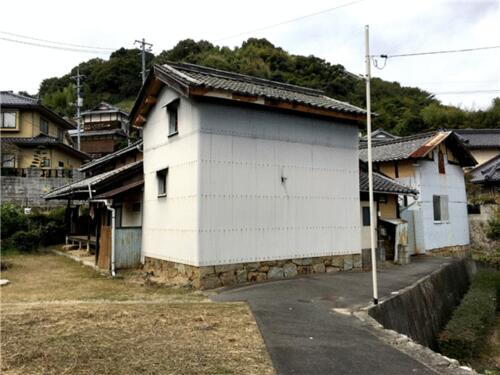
[432,164]
[242,171]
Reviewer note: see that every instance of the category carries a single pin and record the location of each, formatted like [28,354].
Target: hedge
[465,334]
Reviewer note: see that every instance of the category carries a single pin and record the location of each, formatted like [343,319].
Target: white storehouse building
[244,178]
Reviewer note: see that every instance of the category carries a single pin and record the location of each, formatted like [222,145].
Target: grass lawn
[60,317]
[489,361]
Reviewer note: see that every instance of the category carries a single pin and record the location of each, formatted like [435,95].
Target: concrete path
[304,335]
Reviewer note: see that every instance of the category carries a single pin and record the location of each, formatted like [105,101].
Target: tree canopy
[400,110]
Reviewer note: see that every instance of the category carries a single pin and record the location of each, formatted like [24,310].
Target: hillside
[401,110]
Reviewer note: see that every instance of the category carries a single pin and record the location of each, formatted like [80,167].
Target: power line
[53,47]
[289,21]
[54,42]
[145,47]
[466,92]
[437,52]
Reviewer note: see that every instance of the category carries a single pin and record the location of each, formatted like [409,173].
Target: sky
[396,27]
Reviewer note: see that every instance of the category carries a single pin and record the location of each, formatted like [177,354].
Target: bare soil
[60,317]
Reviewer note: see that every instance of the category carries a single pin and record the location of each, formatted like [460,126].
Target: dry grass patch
[132,339]
[49,277]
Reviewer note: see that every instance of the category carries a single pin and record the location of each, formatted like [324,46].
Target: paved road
[305,336]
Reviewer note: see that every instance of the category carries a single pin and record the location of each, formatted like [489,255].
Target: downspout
[113,218]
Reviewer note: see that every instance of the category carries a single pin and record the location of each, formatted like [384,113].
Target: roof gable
[418,146]
[197,81]
[487,172]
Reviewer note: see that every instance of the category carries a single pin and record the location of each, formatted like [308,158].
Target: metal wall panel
[127,247]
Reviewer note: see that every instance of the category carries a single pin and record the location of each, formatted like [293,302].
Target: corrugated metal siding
[127,247]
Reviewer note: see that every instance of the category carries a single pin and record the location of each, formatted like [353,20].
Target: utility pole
[145,47]
[79,104]
[370,164]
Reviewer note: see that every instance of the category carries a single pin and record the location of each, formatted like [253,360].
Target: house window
[8,120]
[60,164]
[440,205]
[44,126]
[45,163]
[8,161]
[161,177]
[172,110]
[441,162]
[366,216]
[60,134]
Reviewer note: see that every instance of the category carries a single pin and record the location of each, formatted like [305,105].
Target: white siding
[225,201]
[247,214]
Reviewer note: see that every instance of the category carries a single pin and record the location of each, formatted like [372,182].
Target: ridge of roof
[408,138]
[243,77]
[43,139]
[476,131]
[26,99]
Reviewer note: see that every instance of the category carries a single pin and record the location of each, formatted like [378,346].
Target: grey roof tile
[487,172]
[199,76]
[10,99]
[383,184]
[480,138]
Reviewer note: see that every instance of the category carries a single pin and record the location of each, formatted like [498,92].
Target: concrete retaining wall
[27,191]
[422,310]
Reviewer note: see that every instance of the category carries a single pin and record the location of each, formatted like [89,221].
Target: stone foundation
[209,277]
[459,251]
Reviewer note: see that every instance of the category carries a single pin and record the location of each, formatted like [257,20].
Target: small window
[172,110]
[45,163]
[44,126]
[366,216]
[161,177]
[441,162]
[60,134]
[8,120]
[60,164]
[440,206]
[8,161]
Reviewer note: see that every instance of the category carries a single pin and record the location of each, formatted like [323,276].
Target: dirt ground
[60,317]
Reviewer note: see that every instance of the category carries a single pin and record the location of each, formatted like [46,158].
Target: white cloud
[397,26]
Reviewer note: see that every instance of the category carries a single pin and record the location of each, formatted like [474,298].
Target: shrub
[25,241]
[494,226]
[464,335]
[13,219]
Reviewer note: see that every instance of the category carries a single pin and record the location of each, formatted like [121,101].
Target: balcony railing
[37,172]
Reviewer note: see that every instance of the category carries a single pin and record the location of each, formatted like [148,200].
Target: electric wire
[289,21]
[385,56]
[54,47]
[60,43]
[466,92]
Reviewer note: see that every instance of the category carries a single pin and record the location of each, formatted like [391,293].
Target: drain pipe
[113,218]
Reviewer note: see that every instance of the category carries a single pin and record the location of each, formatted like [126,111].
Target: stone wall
[27,190]
[209,277]
[459,251]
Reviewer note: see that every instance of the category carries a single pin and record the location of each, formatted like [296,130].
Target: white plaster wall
[247,213]
[170,225]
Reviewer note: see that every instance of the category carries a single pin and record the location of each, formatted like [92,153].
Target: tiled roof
[44,140]
[89,133]
[104,107]
[480,138]
[82,186]
[199,76]
[109,157]
[395,149]
[487,172]
[9,98]
[382,184]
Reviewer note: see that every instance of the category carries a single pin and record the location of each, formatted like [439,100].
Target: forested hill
[402,110]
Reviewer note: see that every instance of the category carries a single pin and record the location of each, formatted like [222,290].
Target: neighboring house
[37,154]
[34,136]
[432,164]
[244,178]
[391,230]
[487,175]
[114,184]
[105,128]
[380,135]
[483,144]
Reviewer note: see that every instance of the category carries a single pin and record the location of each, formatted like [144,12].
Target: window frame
[16,120]
[60,135]
[161,182]
[173,110]
[440,206]
[45,121]
[365,210]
